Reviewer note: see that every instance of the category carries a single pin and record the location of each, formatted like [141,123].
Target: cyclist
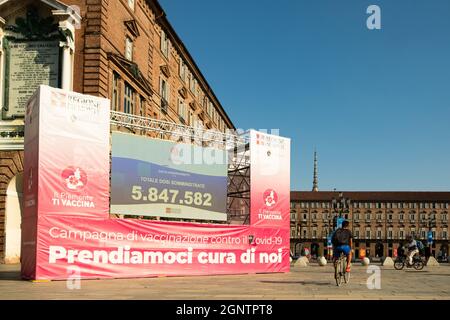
[412,249]
[342,241]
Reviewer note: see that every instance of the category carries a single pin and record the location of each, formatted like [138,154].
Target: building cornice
[161,18]
[11,136]
[373,196]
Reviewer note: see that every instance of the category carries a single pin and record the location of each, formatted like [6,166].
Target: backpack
[420,246]
[340,237]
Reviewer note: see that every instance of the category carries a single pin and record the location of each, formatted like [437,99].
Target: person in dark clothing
[427,252]
[342,241]
[400,251]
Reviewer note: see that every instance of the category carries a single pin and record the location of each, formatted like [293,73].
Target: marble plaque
[29,64]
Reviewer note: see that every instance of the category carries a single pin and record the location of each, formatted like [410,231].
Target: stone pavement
[312,282]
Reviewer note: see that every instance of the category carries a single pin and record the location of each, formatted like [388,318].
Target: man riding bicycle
[342,241]
[412,248]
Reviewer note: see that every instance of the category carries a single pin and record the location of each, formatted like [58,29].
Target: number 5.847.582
[171,196]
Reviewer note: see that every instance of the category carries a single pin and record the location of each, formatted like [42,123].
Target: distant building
[379,221]
[124,50]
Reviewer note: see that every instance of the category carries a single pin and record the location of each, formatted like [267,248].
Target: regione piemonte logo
[74,178]
[58,99]
[270,198]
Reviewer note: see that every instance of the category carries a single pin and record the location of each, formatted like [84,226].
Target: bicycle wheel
[418,265]
[399,264]
[344,271]
[337,272]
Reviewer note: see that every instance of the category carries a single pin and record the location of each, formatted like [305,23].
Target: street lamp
[338,205]
[431,225]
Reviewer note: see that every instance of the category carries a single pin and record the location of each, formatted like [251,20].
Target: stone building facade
[124,50]
[379,221]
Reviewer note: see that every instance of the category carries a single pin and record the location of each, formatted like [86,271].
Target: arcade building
[124,50]
[379,221]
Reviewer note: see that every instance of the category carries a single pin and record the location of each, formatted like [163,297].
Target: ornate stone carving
[33,27]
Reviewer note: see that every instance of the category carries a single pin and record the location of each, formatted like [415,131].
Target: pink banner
[117,248]
[66,170]
[73,154]
[270,181]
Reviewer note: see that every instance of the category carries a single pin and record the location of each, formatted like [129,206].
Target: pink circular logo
[74,178]
[270,198]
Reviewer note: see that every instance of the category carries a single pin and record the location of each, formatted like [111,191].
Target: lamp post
[431,225]
[338,204]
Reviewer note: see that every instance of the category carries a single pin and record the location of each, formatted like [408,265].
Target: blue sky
[375,103]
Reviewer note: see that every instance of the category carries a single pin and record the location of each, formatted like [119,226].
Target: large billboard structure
[67,226]
[159,178]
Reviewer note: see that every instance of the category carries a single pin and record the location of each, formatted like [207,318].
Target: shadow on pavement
[437,274]
[318,283]
[10,275]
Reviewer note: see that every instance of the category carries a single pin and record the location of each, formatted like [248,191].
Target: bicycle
[401,262]
[340,270]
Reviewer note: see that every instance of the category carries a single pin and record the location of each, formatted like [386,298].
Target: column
[67,71]
[67,22]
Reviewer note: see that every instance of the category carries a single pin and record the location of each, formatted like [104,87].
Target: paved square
[312,282]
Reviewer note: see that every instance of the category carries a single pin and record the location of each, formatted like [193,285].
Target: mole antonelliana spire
[315,179]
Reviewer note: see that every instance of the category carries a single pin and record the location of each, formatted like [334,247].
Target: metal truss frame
[175,131]
[238,195]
